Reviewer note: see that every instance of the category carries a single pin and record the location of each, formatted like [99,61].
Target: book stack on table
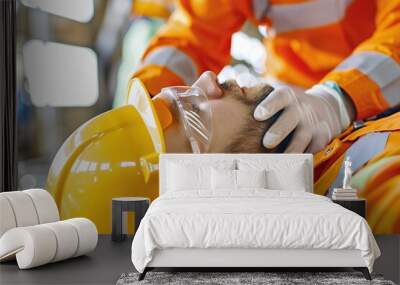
[344,194]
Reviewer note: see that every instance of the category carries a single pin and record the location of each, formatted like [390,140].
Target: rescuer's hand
[316,117]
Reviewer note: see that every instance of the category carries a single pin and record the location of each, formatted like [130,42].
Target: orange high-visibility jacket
[328,161]
[355,43]
[381,189]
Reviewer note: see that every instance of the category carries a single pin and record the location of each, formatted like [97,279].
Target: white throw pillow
[181,177]
[223,179]
[281,174]
[251,178]
[291,179]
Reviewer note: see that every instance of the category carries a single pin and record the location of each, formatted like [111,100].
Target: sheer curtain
[8,169]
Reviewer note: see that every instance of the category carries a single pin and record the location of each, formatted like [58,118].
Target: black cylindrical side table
[139,205]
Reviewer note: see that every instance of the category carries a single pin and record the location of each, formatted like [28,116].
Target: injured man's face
[234,130]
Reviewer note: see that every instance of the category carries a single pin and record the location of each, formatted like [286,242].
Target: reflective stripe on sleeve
[260,8]
[380,68]
[310,14]
[392,92]
[175,60]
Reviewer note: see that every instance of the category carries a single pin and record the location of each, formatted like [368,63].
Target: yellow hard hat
[112,155]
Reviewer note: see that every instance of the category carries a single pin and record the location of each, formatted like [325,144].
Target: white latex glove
[208,82]
[318,115]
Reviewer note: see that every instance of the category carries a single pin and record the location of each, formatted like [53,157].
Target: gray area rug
[232,278]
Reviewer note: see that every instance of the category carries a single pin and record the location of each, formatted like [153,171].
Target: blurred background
[74,58]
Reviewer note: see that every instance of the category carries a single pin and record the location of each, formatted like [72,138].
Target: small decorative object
[344,194]
[347,192]
[347,174]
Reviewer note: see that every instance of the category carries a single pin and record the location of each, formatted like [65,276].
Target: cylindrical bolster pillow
[23,208]
[33,246]
[7,219]
[87,234]
[41,244]
[67,240]
[45,205]
[26,208]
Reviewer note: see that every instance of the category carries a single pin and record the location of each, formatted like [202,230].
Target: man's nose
[208,82]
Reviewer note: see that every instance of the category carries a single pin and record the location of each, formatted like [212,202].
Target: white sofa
[31,231]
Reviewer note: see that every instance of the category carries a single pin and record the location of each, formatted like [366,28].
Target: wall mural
[116,153]
[92,120]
